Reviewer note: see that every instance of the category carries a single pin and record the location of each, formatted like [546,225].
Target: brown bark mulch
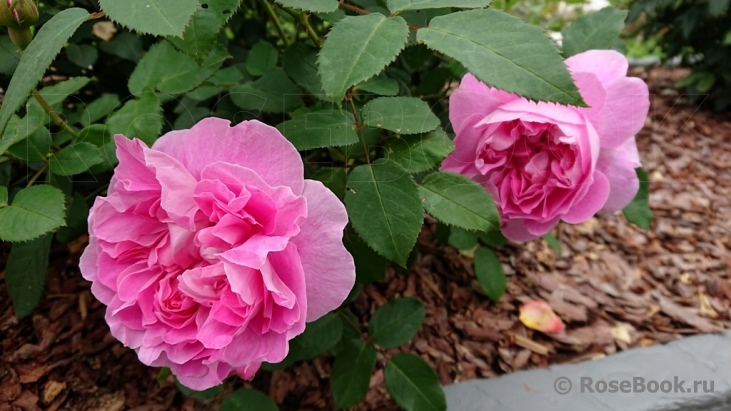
[615,286]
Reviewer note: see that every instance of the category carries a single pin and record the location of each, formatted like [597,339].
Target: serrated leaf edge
[406,41]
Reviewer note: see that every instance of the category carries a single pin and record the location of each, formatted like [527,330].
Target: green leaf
[300,63]
[638,211]
[9,56]
[20,128]
[357,48]
[327,128]
[420,152]
[34,148]
[74,159]
[718,7]
[369,266]
[504,52]
[82,55]
[396,322]
[315,6]
[35,211]
[403,115]
[76,216]
[201,34]
[57,93]
[489,273]
[98,109]
[553,242]
[351,373]
[156,17]
[25,273]
[199,395]
[593,31]
[227,77]
[120,122]
[37,57]
[154,69]
[163,375]
[3,196]
[401,5]
[148,117]
[462,239]
[126,45]
[273,92]
[318,338]
[262,58]
[493,238]
[384,208]
[380,85]
[333,178]
[456,200]
[246,399]
[413,384]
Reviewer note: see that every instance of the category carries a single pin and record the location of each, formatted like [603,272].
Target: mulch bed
[615,286]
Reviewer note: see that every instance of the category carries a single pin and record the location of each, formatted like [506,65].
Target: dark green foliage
[360,88]
[698,31]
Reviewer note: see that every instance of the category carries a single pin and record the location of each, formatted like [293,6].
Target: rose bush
[211,250]
[544,162]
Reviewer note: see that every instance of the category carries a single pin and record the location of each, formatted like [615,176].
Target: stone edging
[704,358]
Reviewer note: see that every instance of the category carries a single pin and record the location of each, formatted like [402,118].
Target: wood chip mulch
[615,286]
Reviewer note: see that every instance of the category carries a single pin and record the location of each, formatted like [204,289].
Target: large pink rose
[211,250]
[544,162]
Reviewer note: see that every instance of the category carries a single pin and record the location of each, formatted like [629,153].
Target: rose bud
[18,14]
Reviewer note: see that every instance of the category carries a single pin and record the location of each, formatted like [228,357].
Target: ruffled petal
[515,230]
[619,165]
[624,113]
[607,65]
[474,97]
[328,266]
[592,201]
[249,144]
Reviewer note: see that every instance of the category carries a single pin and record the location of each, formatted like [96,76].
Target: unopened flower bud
[18,14]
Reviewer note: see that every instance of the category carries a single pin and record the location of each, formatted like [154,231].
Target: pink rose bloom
[211,251]
[544,162]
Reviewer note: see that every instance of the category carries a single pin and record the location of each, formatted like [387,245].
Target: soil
[614,285]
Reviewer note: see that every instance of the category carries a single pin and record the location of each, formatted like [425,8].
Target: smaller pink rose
[544,162]
[211,251]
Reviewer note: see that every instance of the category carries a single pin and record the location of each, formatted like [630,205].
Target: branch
[54,116]
[303,20]
[276,22]
[358,10]
[358,125]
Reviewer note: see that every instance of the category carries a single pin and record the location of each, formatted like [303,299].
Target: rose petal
[619,166]
[474,97]
[608,65]
[592,201]
[329,267]
[249,144]
[538,315]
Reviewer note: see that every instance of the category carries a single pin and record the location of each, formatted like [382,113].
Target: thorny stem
[351,7]
[358,125]
[276,22]
[37,174]
[302,19]
[97,15]
[54,116]
[310,31]
[358,10]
